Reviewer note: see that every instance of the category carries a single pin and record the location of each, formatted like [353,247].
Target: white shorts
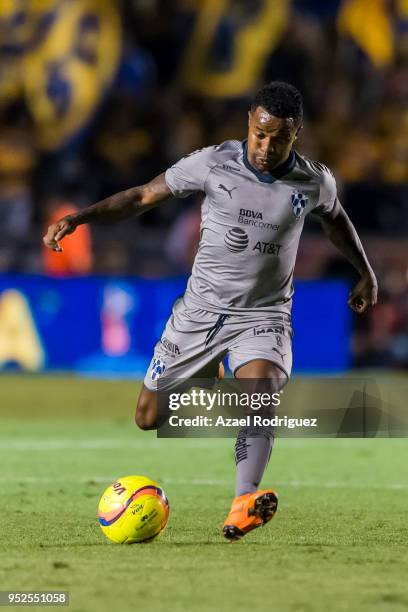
[194,341]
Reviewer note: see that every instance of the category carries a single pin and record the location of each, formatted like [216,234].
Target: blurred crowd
[100,95]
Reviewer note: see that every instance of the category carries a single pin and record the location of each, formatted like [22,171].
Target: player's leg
[253,507]
[181,354]
[267,371]
[146,409]
[253,446]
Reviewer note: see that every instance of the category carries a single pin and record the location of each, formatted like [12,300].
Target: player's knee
[261,374]
[144,420]
[273,376]
[146,412]
[279,381]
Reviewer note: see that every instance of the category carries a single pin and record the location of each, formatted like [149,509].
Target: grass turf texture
[338,541]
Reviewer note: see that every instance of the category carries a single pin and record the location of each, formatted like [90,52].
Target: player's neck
[274,173]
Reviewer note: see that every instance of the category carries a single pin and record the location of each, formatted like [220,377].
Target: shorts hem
[148,386]
[270,360]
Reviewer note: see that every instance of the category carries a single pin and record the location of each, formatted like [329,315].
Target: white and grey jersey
[250,227]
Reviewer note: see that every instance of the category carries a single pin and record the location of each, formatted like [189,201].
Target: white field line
[103,444]
[199,482]
[25,445]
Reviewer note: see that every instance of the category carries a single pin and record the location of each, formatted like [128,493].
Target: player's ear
[299,130]
[249,117]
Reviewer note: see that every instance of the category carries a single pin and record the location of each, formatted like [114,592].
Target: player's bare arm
[117,207]
[341,232]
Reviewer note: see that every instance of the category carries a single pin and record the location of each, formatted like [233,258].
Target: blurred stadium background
[100,95]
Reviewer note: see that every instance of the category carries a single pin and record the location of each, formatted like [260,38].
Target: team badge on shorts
[158,368]
[299,201]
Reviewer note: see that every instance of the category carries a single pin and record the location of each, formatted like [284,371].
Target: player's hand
[364,294]
[57,231]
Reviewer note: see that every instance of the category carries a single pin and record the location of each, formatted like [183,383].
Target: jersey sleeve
[328,194]
[189,174]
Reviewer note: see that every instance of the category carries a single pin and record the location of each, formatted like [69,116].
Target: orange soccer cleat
[248,512]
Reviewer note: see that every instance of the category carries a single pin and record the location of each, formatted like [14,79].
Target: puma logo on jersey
[229,191]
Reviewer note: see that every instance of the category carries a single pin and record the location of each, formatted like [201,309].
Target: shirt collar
[278,172]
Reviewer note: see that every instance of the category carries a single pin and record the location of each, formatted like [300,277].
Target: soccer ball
[133,509]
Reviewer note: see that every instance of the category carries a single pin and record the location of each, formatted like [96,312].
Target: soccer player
[239,296]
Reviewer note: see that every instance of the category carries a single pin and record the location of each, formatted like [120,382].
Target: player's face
[270,139]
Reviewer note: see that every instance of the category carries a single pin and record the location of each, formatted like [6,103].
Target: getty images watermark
[306,407]
[221,400]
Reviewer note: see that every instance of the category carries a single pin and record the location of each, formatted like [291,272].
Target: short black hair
[281,100]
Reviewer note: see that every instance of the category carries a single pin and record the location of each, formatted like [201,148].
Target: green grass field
[338,542]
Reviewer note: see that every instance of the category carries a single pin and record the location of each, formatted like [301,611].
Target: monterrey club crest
[158,368]
[299,201]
